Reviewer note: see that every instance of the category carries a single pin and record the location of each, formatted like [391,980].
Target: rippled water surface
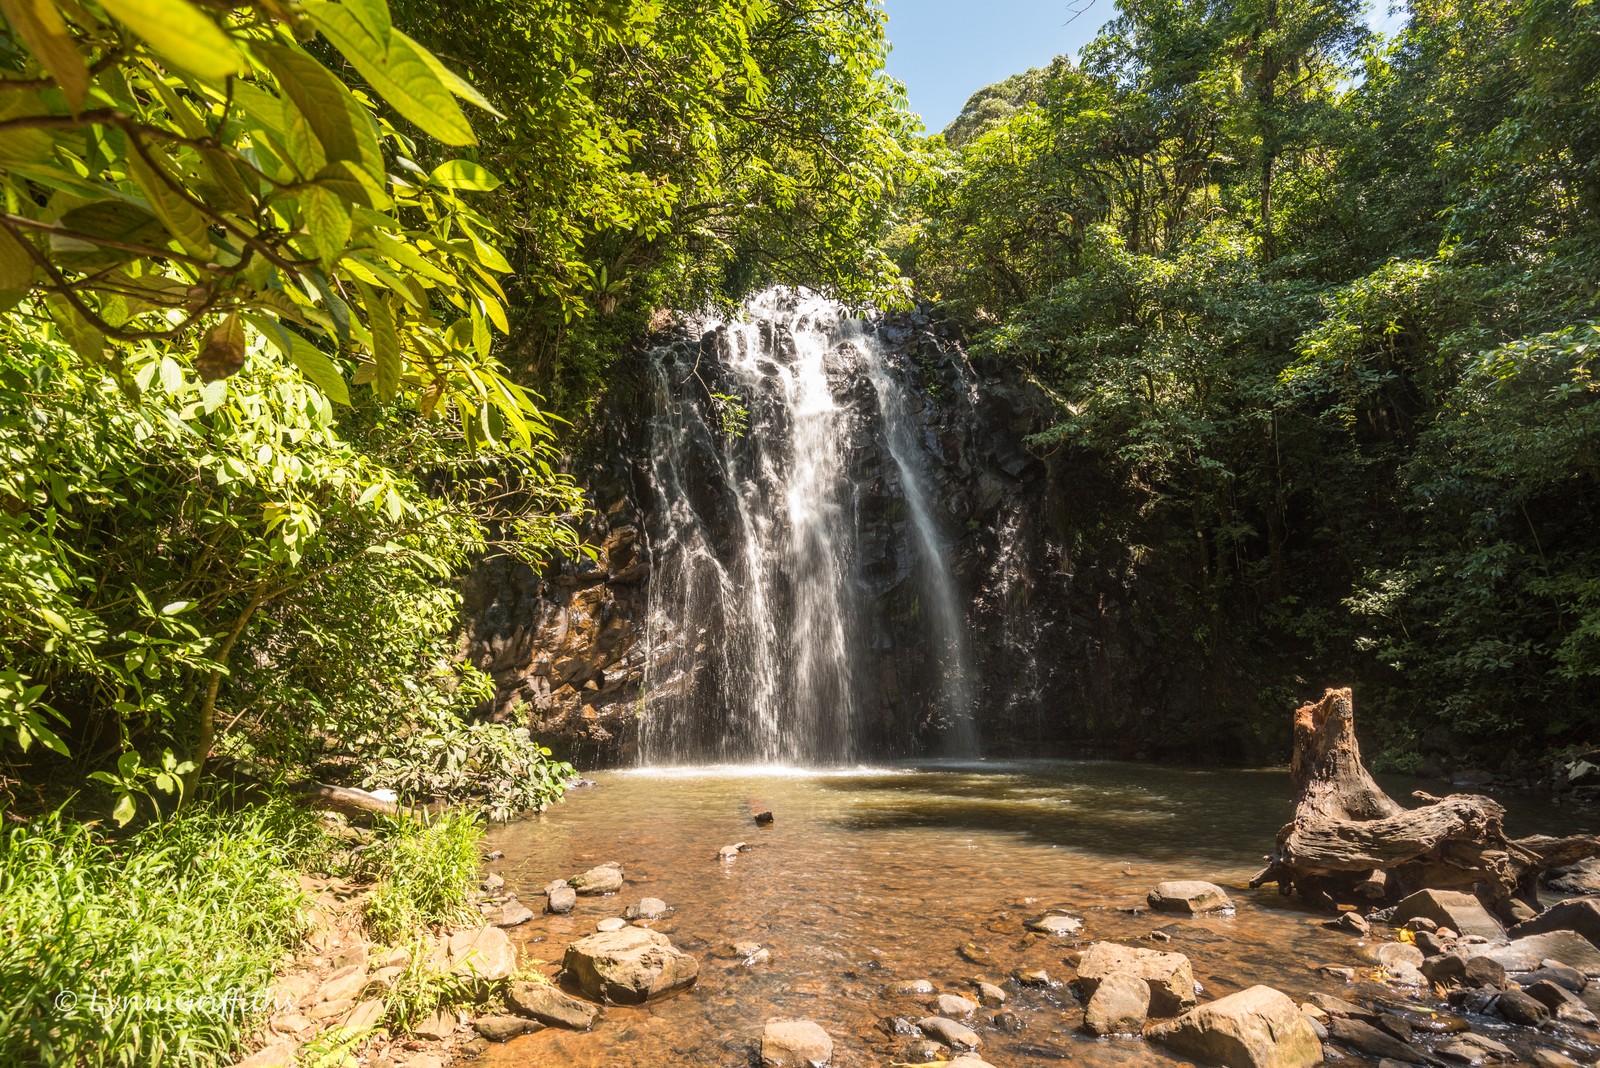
[874,876]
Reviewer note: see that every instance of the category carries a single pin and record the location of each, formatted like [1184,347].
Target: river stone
[1476,1049]
[1515,1006]
[513,914]
[795,1044]
[1393,954]
[1119,1006]
[1562,1003]
[952,1005]
[915,988]
[503,1027]
[991,995]
[651,908]
[610,923]
[548,1005]
[562,900]
[1190,896]
[1581,915]
[605,879]
[1255,1028]
[1528,954]
[630,966]
[345,983]
[1169,975]
[1462,913]
[493,882]
[953,1034]
[1549,1058]
[482,952]
[1056,923]
[278,1055]
[1364,1038]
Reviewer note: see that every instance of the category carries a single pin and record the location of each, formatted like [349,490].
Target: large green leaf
[182,33]
[45,33]
[401,72]
[344,127]
[321,371]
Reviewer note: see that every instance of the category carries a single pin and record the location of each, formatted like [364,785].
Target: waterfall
[759,632]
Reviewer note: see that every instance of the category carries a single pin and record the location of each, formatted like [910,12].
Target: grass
[159,948]
[424,871]
[146,950]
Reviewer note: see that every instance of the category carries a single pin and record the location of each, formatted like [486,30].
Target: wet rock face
[1060,660]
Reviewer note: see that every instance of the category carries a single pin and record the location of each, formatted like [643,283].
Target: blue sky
[945,50]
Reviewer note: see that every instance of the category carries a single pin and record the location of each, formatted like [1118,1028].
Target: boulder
[1169,975]
[1393,954]
[481,952]
[1476,1049]
[1120,1005]
[630,966]
[548,1005]
[1189,896]
[513,914]
[1462,913]
[1580,878]
[605,879]
[991,995]
[1516,1006]
[953,1034]
[795,1044]
[1563,1004]
[1365,1038]
[611,923]
[1580,915]
[1255,1028]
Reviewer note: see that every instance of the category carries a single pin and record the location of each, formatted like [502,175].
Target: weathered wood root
[346,800]
[1350,843]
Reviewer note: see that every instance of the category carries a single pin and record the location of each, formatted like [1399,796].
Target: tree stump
[1351,843]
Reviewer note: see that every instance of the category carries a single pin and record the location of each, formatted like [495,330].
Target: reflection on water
[874,876]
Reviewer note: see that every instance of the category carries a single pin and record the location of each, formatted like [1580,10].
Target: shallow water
[875,876]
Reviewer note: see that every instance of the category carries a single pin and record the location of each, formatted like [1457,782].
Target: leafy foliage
[1325,306]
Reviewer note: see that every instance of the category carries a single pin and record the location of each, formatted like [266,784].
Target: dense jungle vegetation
[301,295]
[1327,306]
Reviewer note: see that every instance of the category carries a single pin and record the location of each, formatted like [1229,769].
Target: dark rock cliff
[1065,644]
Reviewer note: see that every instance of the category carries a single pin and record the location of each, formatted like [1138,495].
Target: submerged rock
[952,1005]
[1190,896]
[563,899]
[1055,923]
[1255,1028]
[1529,953]
[795,1044]
[915,988]
[503,1027]
[630,966]
[610,923]
[650,908]
[1169,975]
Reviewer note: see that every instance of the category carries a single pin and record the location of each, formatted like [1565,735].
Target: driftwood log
[1351,843]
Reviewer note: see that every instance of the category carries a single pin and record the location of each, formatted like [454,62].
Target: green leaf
[180,216]
[175,607]
[182,33]
[327,224]
[340,123]
[464,174]
[321,371]
[399,73]
[387,360]
[45,33]
[124,810]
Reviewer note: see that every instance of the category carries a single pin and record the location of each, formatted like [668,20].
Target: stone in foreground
[1255,1028]
[1189,896]
[795,1044]
[1580,915]
[1169,975]
[1120,1005]
[543,1002]
[1462,913]
[630,966]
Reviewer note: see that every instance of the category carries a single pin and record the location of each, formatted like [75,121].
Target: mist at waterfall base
[781,591]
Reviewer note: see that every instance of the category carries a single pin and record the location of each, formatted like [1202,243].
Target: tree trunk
[1351,843]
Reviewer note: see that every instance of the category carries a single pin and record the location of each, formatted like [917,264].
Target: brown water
[873,877]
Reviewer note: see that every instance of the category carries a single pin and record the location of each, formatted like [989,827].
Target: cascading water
[758,632]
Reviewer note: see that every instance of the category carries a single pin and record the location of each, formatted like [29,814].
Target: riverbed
[870,877]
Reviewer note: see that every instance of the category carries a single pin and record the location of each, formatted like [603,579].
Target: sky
[946,50]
